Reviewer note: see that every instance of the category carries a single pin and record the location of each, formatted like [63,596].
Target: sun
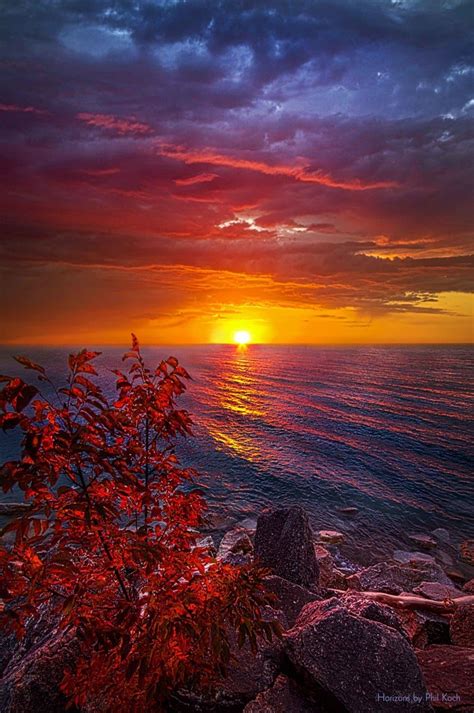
[242,337]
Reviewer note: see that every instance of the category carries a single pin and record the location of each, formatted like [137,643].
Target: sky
[298,169]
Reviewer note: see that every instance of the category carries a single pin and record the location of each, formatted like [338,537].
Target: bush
[109,543]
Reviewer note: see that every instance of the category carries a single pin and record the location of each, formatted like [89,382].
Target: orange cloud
[113,123]
[299,173]
[200,178]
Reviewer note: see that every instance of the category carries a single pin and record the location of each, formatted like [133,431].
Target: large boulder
[285,696]
[284,543]
[291,597]
[448,672]
[395,578]
[462,625]
[361,665]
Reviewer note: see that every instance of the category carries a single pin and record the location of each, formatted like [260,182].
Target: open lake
[385,429]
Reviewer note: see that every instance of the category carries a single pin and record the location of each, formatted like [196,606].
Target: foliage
[109,544]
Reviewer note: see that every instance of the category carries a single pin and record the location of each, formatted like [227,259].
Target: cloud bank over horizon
[180,168]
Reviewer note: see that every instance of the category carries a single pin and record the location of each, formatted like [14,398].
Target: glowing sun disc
[242,337]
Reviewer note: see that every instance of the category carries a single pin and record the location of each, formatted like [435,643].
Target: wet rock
[331,537]
[426,542]
[291,597]
[236,547]
[326,564]
[462,625]
[284,543]
[448,672]
[468,587]
[350,511]
[424,627]
[437,591]
[442,535]
[412,557]
[363,665]
[395,578]
[285,696]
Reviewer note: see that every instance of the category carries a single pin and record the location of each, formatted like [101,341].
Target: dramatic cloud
[178,163]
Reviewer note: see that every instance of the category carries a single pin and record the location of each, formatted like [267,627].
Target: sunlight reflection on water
[385,429]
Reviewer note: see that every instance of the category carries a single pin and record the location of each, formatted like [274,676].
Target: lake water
[385,429]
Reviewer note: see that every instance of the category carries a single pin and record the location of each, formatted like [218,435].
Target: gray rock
[235,548]
[291,597]
[375,611]
[396,578]
[284,543]
[412,557]
[462,625]
[448,672]
[32,676]
[437,591]
[285,696]
[364,665]
[208,544]
[442,535]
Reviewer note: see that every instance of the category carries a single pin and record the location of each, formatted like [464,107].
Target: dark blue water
[385,429]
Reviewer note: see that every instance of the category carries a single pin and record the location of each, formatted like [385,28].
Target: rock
[235,548]
[208,544]
[469,587]
[442,535]
[360,665]
[466,552]
[250,674]
[326,564]
[31,678]
[285,696]
[424,541]
[349,511]
[412,557]
[462,625]
[456,576]
[249,524]
[284,543]
[375,611]
[396,578]
[449,676]
[424,627]
[291,597]
[437,591]
[331,537]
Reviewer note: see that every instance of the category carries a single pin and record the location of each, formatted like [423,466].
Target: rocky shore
[394,637]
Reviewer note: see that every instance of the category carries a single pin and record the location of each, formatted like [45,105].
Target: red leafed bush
[109,542]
